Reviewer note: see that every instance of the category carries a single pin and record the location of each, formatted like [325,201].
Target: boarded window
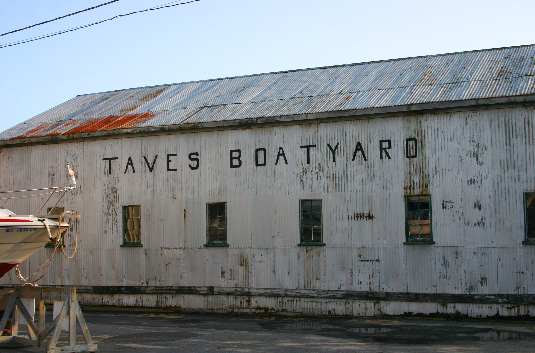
[529,204]
[132,225]
[418,218]
[216,224]
[311,222]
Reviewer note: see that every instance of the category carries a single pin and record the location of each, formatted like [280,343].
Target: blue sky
[222,38]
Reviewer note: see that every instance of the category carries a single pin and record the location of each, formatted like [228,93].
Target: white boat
[23,235]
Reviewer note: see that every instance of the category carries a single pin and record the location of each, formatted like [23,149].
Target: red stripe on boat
[4,268]
[14,220]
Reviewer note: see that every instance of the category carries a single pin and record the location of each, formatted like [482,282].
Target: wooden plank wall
[475,164]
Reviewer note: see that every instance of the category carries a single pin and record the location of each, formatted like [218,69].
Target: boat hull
[22,237]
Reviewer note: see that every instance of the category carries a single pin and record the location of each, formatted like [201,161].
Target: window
[216,224]
[54,211]
[132,226]
[311,222]
[529,212]
[418,219]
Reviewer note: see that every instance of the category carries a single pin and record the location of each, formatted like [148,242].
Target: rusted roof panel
[504,72]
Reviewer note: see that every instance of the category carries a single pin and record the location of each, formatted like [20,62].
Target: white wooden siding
[475,164]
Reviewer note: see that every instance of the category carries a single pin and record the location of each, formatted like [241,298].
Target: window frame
[302,241]
[412,240]
[528,240]
[125,243]
[217,242]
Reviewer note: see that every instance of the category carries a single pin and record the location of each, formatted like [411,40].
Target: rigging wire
[57,18]
[58,244]
[164,6]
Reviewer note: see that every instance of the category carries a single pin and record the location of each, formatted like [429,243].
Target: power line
[57,18]
[23,41]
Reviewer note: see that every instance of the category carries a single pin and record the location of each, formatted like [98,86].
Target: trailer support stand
[38,332]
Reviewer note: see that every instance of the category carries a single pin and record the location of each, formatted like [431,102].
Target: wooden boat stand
[38,333]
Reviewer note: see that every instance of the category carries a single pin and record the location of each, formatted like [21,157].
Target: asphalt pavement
[168,331]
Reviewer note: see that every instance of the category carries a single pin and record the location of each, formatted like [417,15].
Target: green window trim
[216,224]
[419,242]
[529,218]
[311,222]
[311,244]
[131,226]
[216,245]
[131,245]
[418,220]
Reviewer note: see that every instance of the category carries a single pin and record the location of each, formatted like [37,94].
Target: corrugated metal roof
[492,73]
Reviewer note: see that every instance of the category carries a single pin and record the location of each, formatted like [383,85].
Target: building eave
[404,110]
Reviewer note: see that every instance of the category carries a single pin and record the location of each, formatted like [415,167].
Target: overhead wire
[23,41]
[58,18]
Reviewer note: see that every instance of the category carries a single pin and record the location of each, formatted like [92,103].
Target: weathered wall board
[476,165]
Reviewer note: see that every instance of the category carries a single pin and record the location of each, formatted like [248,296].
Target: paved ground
[161,332]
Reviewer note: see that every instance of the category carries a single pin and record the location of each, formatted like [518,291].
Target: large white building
[389,187]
